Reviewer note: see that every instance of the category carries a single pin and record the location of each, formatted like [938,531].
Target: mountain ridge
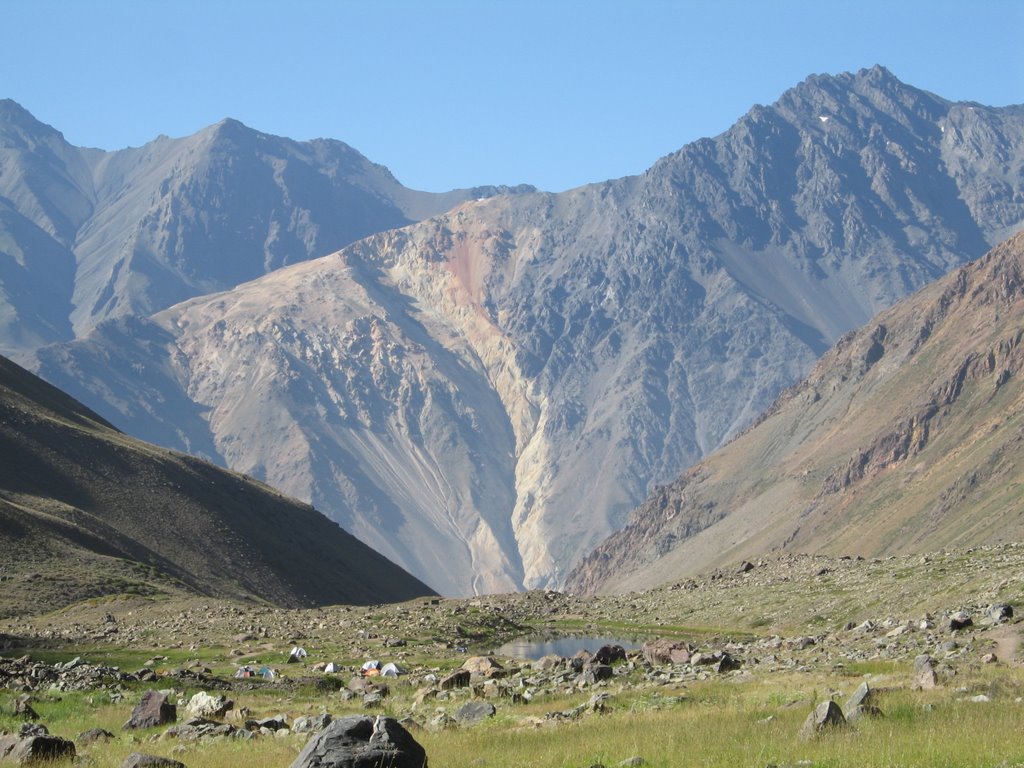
[506,381]
[904,438]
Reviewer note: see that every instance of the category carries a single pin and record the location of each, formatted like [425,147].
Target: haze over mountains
[485,395]
[905,438]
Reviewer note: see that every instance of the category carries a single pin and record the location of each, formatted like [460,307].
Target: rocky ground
[918,622]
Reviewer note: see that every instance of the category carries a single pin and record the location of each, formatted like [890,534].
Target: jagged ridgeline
[906,437]
[484,396]
[86,511]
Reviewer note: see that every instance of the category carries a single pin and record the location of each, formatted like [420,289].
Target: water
[533,647]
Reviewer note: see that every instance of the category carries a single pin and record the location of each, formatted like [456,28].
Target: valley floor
[759,647]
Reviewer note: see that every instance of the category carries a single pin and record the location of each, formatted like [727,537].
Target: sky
[459,93]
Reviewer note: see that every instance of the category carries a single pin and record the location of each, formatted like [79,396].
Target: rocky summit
[485,396]
[905,438]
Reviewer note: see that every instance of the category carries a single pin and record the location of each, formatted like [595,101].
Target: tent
[267,673]
[331,667]
[297,654]
[391,670]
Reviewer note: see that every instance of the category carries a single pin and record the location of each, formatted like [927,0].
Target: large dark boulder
[154,709]
[142,760]
[362,742]
[28,750]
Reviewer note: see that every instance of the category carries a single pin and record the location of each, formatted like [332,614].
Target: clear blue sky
[452,93]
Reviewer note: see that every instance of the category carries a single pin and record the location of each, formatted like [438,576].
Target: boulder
[154,709]
[142,760]
[362,742]
[93,736]
[999,613]
[27,750]
[925,677]
[826,716]
[207,706]
[473,712]
[457,679]
[608,654]
[666,651]
[483,666]
[311,723]
[23,708]
[960,620]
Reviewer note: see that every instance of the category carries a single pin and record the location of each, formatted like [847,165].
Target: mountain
[86,510]
[484,396]
[87,235]
[906,437]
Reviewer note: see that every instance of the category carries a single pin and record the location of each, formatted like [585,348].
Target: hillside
[87,235]
[87,511]
[498,387]
[907,437]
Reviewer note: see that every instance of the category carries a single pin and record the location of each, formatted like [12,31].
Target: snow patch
[823,118]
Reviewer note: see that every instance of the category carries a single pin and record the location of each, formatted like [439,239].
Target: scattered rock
[154,709]
[608,654]
[311,723]
[205,705]
[457,679]
[93,736]
[960,620]
[142,760]
[999,613]
[826,715]
[23,708]
[666,651]
[25,750]
[483,666]
[473,712]
[358,742]
[925,677]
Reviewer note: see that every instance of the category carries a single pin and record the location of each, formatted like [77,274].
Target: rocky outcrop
[486,395]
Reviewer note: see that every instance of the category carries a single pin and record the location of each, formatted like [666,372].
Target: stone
[94,736]
[362,742]
[999,613]
[630,762]
[827,715]
[608,654]
[23,708]
[925,677]
[205,705]
[960,620]
[989,658]
[745,567]
[154,709]
[143,760]
[26,750]
[863,695]
[311,723]
[665,651]
[457,679]
[483,666]
[473,712]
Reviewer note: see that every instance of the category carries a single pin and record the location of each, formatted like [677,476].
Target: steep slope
[86,235]
[94,511]
[907,437]
[502,384]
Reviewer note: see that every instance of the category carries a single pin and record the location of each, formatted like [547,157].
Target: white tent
[331,667]
[391,670]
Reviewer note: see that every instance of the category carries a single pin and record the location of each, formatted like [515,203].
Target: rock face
[362,742]
[483,397]
[897,442]
[90,235]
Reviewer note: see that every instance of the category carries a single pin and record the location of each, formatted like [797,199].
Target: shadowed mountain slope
[908,436]
[86,510]
[499,386]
